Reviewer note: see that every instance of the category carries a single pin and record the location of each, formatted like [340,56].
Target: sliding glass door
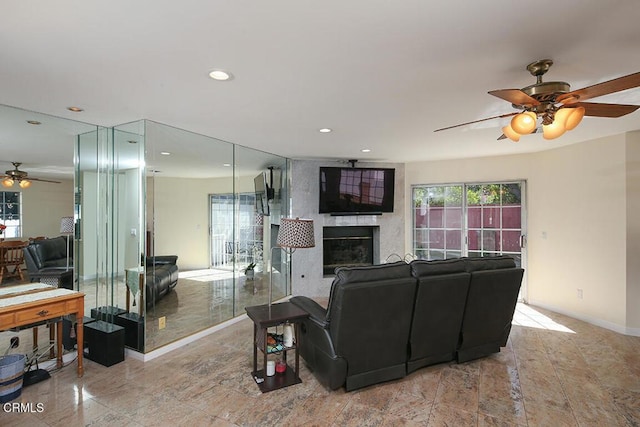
[495,220]
[476,219]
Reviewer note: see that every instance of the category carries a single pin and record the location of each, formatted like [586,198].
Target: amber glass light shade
[7,182]
[25,183]
[555,129]
[524,123]
[510,133]
[574,118]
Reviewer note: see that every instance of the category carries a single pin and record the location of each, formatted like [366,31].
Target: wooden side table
[263,318]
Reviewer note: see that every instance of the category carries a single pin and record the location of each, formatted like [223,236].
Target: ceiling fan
[21,177]
[555,106]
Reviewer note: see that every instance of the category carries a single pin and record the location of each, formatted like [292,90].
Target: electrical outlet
[14,342]
[162,322]
[579,293]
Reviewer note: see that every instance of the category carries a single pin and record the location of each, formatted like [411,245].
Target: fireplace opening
[348,247]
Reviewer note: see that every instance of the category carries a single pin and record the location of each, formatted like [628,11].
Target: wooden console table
[32,304]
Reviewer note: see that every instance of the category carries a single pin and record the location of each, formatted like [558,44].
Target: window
[10,213]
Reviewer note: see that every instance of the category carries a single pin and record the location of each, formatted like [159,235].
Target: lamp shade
[574,117]
[524,123]
[510,133]
[296,233]
[66,224]
[555,129]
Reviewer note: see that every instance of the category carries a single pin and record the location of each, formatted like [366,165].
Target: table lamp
[294,233]
[66,227]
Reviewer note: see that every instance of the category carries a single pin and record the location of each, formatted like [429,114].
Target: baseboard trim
[624,330]
[145,357]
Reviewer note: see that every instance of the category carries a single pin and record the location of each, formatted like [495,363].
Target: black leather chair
[46,261]
[362,337]
[491,302]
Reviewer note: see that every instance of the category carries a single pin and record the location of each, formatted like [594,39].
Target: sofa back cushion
[369,315]
[50,252]
[489,263]
[491,302]
[440,301]
[372,273]
[422,268]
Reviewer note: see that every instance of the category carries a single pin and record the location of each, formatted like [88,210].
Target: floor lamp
[294,233]
[66,227]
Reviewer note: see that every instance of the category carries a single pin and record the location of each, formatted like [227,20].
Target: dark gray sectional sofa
[385,321]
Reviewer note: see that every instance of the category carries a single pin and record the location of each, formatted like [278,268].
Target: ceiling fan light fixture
[7,182]
[574,117]
[25,183]
[553,130]
[510,133]
[524,123]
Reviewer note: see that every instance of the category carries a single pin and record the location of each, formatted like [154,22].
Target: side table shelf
[264,317]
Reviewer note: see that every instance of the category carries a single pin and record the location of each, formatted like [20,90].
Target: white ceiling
[382,74]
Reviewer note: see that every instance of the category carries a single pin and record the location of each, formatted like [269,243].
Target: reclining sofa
[161,277]
[386,321]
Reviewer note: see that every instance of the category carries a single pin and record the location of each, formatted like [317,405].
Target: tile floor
[555,371]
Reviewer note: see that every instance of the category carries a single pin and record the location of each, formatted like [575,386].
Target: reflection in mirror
[173,230]
[44,145]
[202,208]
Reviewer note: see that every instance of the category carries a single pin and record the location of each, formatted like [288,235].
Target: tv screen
[356,190]
[262,191]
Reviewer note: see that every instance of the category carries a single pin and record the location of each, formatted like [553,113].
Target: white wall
[43,205]
[633,230]
[181,216]
[306,271]
[576,197]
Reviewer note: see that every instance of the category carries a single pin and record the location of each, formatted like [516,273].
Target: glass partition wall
[150,195]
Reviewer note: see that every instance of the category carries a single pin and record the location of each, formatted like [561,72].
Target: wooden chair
[11,259]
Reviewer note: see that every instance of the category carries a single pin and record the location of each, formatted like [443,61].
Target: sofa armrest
[317,313]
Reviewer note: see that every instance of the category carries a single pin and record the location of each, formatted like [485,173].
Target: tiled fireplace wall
[307,276]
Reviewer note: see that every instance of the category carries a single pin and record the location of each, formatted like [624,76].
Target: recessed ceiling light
[366,150]
[226,165]
[75,109]
[34,122]
[165,153]
[220,75]
[325,130]
[132,141]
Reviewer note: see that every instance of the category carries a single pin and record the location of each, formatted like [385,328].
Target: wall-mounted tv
[353,191]
[263,191]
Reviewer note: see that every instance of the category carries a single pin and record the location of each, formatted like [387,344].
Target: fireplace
[348,246]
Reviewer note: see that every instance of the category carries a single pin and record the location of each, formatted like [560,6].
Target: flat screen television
[353,191]
[262,191]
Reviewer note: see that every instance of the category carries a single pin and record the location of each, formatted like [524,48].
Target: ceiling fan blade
[42,180]
[600,89]
[536,130]
[515,96]
[478,121]
[597,109]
